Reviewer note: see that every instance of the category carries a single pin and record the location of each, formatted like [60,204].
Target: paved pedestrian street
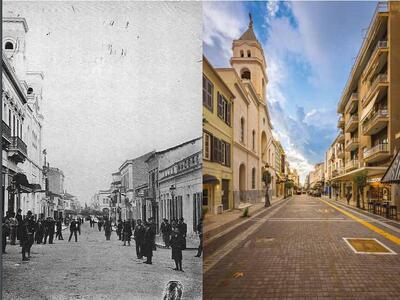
[296,250]
[94,268]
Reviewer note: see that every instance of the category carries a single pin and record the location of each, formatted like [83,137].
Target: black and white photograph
[101,150]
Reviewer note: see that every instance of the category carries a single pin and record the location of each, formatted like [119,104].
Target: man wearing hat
[166,230]
[149,238]
[27,235]
[182,227]
[20,223]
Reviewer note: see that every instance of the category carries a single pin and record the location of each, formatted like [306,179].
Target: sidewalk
[214,221]
[353,206]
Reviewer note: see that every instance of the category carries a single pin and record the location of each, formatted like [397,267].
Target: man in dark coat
[200,232]
[139,238]
[27,235]
[149,239]
[127,232]
[107,229]
[177,244]
[182,227]
[39,229]
[46,226]
[166,230]
[73,228]
[119,229]
[5,230]
[59,229]
[20,223]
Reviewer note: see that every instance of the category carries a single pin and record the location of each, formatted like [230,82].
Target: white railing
[375,149]
[353,118]
[353,98]
[381,78]
[372,116]
[354,163]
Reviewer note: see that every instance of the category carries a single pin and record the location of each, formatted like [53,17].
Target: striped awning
[392,174]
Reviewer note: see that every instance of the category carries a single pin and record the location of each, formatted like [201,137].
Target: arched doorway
[242,182]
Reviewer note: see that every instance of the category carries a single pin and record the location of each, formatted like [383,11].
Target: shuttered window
[208,89]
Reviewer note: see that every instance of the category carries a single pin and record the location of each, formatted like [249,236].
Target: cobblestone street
[95,269]
[296,250]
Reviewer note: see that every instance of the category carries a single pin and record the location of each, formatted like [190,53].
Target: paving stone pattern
[291,258]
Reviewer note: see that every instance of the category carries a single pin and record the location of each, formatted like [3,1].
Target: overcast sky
[121,79]
[310,47]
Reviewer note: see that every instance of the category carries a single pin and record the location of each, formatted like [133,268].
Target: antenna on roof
[251,21]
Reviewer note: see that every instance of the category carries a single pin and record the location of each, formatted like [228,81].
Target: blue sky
[310,48]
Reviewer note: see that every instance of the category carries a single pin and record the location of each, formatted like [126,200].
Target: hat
[19,210]
[28,213]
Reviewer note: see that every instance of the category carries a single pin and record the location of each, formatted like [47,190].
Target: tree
[360,180]
[267,180]
[288,185]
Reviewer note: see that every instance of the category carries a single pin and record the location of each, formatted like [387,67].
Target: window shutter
[210,95]
[228,114]
[219,151]
[214,147]
[220,106]
[228,154]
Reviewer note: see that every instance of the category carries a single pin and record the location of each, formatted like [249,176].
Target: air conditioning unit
[219,209]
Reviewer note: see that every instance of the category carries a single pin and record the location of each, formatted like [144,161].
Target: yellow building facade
[218,122]
[369,107]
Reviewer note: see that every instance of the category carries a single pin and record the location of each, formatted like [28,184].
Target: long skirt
[176,253]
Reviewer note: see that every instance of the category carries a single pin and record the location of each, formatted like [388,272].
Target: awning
[392,174]
[210,179]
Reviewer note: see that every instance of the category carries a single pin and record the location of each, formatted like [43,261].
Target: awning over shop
[370,171]
[210,179]
[392,174]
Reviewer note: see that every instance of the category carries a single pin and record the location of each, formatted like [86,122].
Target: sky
[310,48]
[121,79]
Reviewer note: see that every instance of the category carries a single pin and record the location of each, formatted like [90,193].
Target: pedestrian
[127,231]
[107,228]
[46,226]
[39,229]
[166,230]
[182,227]
[79,226]
[59,229]
[119,229]
[20,224]
[5,230]
[200,231]
[99,224]
[177,245]
[139,238]
[13,228]
[51,226]
[27,235]
[148,244]
[348,197]
[73,228]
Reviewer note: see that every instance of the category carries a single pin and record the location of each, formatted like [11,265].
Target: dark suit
[139,240]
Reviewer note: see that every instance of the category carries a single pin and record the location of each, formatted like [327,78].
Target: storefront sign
[374,179]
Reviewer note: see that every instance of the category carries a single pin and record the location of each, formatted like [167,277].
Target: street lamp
[172,190]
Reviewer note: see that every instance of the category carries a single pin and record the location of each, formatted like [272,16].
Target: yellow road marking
[387,235]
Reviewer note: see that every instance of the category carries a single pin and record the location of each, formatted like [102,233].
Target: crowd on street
[29,230]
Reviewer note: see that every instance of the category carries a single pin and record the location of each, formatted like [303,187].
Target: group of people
[28,230]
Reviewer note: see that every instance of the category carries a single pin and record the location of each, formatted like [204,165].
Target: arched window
[9,46]
[245,74]
[248,53]
[253,178]
[254,139]
[241,53]
[269,156]
[242,130]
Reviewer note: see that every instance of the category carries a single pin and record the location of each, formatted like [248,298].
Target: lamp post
[172,190]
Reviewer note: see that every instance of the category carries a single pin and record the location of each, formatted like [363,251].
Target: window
[208,90]
[224,109]
[9,118]
[242,130]
[264,121]
[241,53]
[253,178]
[220,151]
[248,53]
[245,74]
[9,46]
[254,140]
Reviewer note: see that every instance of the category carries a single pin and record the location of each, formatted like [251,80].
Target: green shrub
[245,213]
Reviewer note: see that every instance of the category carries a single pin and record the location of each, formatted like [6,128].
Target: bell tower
[249,62]
[14,33]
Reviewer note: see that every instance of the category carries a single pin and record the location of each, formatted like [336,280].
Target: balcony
[352,165]
[376,153]
[340,123]
[379,84]
[340,138]
[340,153]
[17,150]
[337,172]
[375,122]
[5,134]
[377,58]
[352,123]
[352,143]
[352,103]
